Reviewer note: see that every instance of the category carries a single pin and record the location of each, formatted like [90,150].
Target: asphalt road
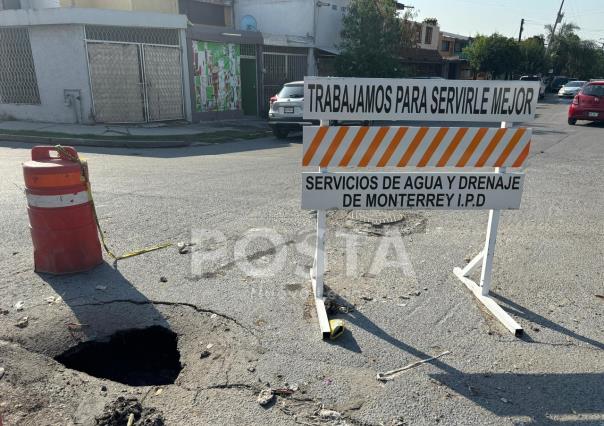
[247,303]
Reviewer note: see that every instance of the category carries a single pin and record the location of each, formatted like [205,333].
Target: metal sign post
[401,147]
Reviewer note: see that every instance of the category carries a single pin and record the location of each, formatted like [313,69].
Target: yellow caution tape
[84,168]
[336,328]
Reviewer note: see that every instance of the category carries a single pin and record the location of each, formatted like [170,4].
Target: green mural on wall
[217,76]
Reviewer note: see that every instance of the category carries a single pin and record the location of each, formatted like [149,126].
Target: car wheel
[572,121]
[280,133]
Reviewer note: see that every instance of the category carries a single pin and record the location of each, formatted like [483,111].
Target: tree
[372,37]
[571,56]
[494,54]
[532,56]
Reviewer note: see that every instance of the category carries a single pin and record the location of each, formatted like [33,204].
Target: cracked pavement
[547,271]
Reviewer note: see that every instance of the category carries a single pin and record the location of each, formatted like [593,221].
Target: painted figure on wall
[217,76]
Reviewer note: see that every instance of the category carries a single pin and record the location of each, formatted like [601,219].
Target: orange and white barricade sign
[469,166]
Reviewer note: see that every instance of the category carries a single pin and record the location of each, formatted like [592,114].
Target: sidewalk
[146,135]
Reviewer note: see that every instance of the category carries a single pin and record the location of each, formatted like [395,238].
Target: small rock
[209,346]
[402,305]
[163,279]
[23,322]
[204,354]
[404,297]
[294,387]
[265,396]
[329,414]
[415,293]
[367,298]
[251,369]
[368,275]
[3,311]
[213,316]
[103,388]
[425,288]
[19,305]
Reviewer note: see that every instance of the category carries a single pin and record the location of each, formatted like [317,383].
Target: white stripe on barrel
[55,201]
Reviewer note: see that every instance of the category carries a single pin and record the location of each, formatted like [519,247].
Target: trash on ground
[53,299]
[329,414]
[19,305]
[327,381]
[120,411]
[158,392]
[389,375]
[23,322]
[265,396]
[336,328]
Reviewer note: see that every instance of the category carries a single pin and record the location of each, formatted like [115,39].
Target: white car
[286,107]
[570,89]
[535,78]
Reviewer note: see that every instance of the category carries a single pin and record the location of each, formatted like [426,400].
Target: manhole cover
[377,217]
[137,357]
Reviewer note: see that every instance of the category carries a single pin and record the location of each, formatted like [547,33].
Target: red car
[588,104]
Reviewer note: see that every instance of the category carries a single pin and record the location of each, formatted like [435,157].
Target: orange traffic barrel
[61,219]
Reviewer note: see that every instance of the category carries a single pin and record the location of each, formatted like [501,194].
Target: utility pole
[558,19]
[521,29]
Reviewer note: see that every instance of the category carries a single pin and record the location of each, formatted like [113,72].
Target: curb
[105,143]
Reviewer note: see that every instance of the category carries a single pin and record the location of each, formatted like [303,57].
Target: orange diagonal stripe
[435,142]
[490,147]
[472,147]
[520,160]
[375,143]
[412,146]
[314,145]
[353,146]
[510,146]
[334,146]
[452,147]
[392,147]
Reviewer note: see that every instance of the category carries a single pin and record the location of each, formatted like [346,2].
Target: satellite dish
[248,23]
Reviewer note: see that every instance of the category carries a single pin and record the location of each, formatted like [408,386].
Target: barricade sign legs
[481,291]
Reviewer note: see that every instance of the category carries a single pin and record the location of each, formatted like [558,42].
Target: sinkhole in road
[135,357]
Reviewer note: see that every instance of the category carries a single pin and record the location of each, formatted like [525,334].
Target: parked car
[286,108]
[535,78]
[588,104]
[571,88]
[557,82]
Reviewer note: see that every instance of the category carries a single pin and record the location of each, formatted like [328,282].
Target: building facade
[72,65]
[451,50]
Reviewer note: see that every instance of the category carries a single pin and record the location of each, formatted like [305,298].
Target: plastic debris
[336,328]
[329,414]
[19,305]
[265,396]
[23,322]
[389,375]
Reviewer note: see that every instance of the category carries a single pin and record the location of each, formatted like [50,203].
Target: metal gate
[132,80]
[282,65]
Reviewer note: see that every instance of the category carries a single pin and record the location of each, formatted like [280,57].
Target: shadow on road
[537,396]
[104,301]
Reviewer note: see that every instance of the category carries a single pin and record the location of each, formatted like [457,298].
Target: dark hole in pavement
[137,357]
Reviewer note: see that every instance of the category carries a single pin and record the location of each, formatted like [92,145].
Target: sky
[469,17]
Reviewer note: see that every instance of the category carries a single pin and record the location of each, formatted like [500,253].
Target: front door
[249,97]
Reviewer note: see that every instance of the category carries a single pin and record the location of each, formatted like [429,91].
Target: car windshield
[529,78]
[593,90]
[292,92]
[575,84]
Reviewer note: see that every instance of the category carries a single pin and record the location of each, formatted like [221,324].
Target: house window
[445,46]
[428,39]
[459,47]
